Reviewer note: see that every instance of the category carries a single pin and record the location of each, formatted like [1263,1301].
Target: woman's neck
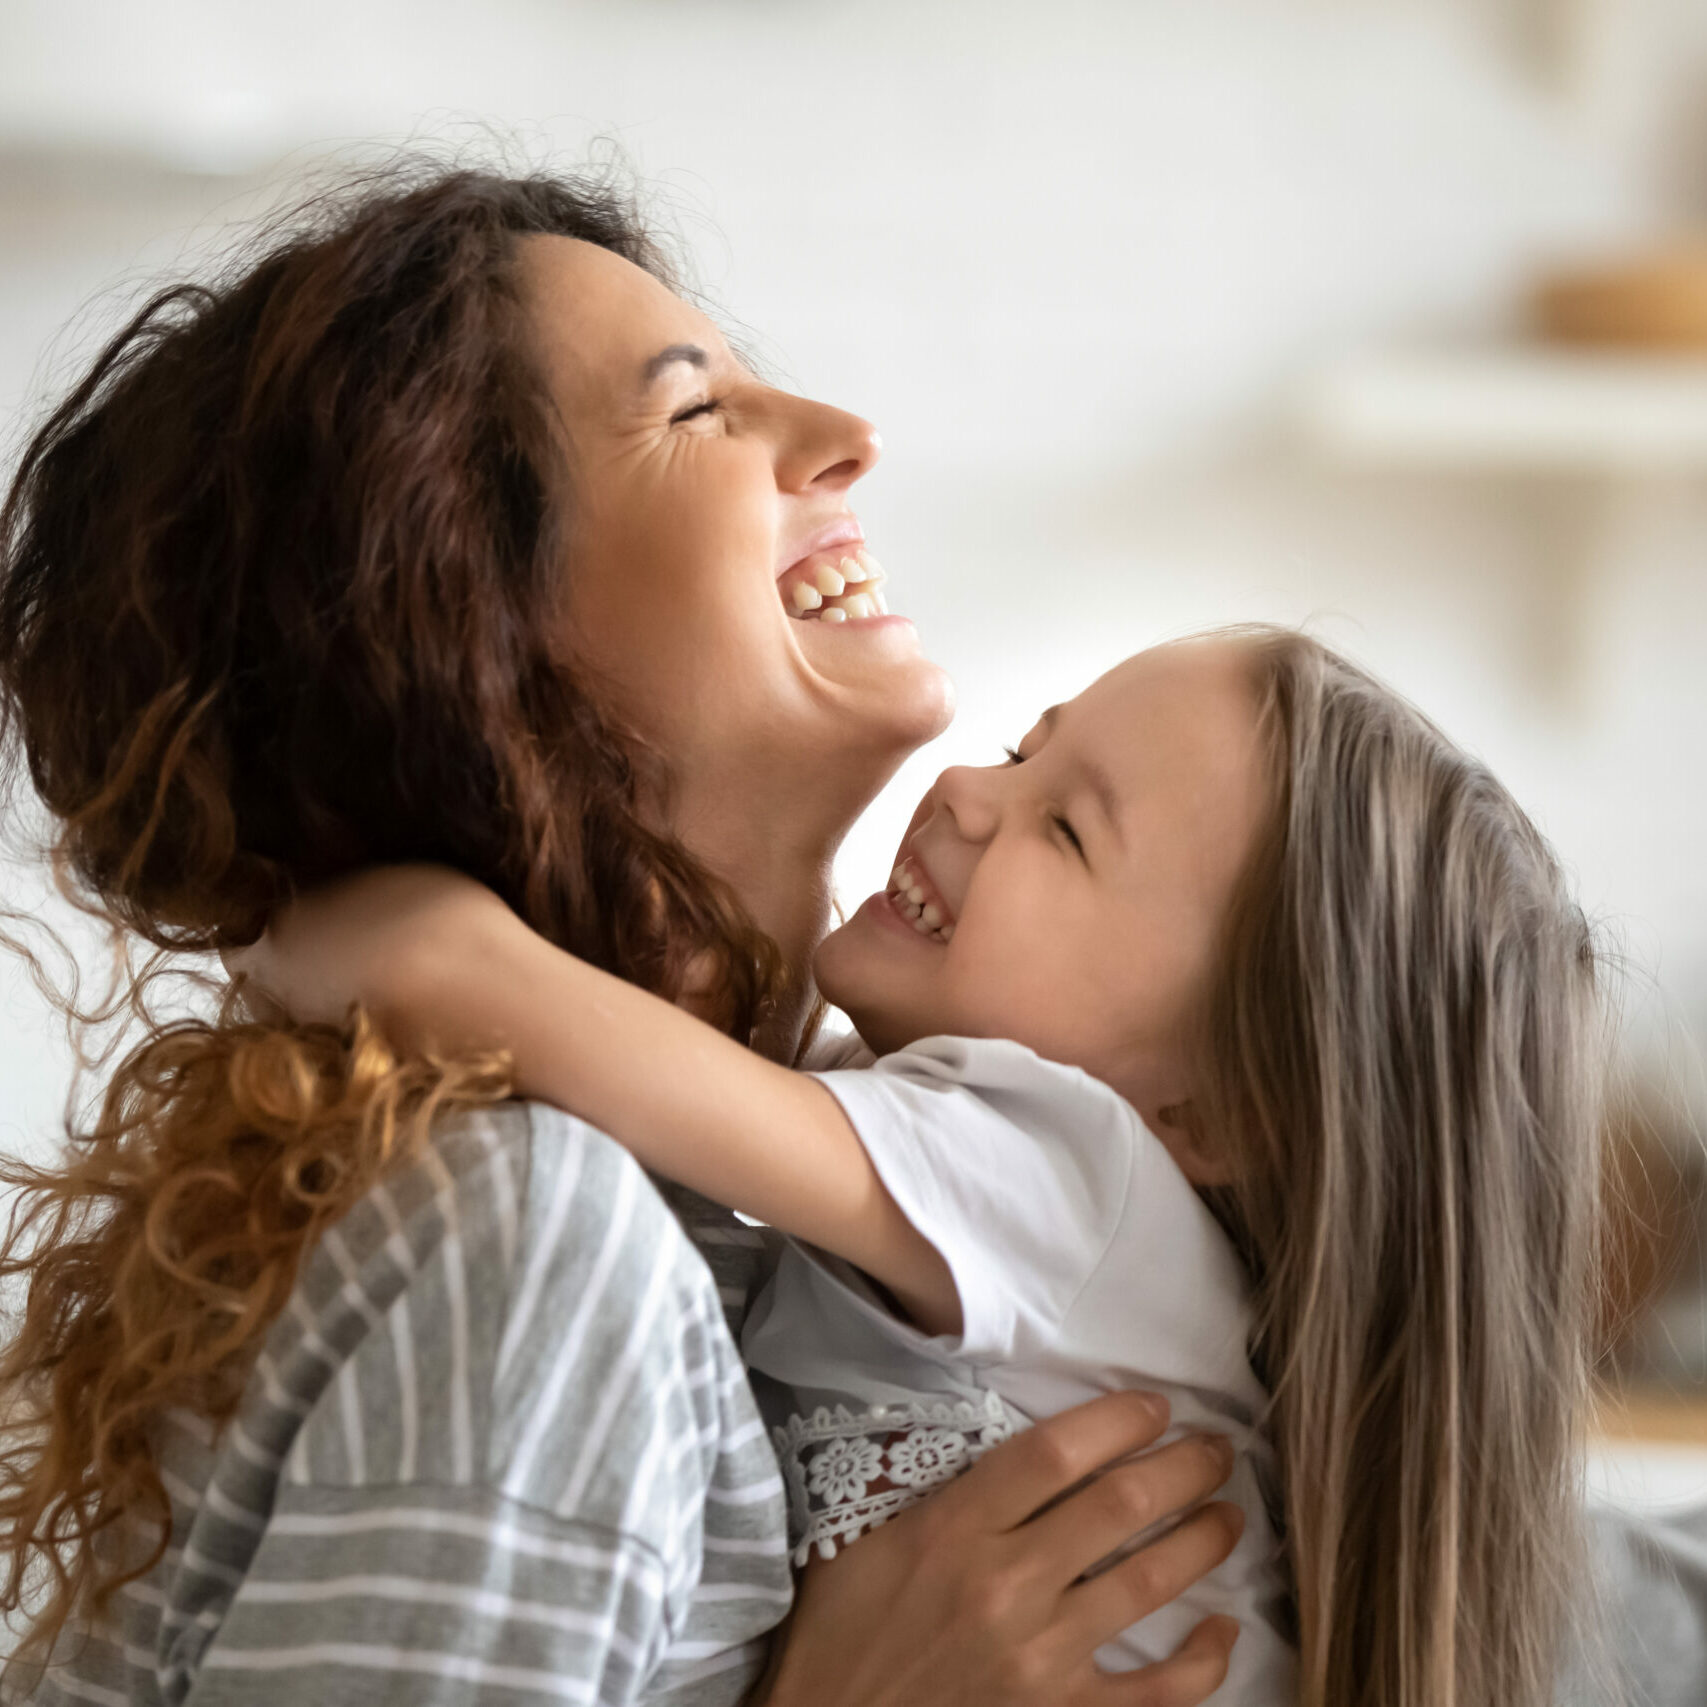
[796,924]
[784,882]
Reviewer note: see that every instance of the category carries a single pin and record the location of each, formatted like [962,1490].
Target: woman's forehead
[599,321]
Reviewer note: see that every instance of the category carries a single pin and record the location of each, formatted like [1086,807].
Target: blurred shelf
[1678,1419]
[1514,409]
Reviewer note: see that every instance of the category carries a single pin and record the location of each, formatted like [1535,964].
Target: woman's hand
[383,938]
[975,1598]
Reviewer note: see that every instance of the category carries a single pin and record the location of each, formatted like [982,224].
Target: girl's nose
[967,796]
[822,449]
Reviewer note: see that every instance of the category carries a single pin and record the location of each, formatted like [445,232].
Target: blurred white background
[1097,268]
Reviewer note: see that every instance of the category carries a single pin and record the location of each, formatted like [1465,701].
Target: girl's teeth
[858,604]
[873,569]
[806,597]
[828,582]
[852,570]
[833,614]
[926,917]
[877,598]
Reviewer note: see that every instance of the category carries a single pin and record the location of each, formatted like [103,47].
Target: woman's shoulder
[524,1280]
[513,1184]
[505,1363]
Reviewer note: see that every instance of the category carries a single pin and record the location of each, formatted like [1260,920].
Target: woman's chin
[880,679]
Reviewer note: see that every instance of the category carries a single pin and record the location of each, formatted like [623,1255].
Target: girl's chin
[856,958]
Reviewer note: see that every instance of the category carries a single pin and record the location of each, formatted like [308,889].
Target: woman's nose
[824,449]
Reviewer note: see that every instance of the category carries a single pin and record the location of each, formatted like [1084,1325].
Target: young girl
[1236,958]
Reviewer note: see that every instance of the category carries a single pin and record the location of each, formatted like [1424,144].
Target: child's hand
[384,938]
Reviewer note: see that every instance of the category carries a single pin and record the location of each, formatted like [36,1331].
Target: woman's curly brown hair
[283,592]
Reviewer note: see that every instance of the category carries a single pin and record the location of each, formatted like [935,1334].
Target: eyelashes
[695,410]
[1071,836]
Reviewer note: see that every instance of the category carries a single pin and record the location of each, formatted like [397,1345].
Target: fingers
[1183,1679]
[1008,1485]
[1096,1611]
[1108,1512]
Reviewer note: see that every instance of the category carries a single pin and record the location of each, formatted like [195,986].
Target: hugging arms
[446,530]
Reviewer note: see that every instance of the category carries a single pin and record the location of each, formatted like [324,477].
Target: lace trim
[848,1471]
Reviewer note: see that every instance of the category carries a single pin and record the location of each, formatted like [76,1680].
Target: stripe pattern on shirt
[498,1448]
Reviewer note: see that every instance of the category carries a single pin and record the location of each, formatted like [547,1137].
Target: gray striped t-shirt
[498,1448]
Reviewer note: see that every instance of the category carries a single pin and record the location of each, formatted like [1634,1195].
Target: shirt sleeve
[434,1597]
[1015,1168]
[500,1449]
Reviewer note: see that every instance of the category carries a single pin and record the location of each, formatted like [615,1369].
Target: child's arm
[435,956]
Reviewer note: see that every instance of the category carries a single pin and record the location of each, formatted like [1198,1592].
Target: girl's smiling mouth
[914,898]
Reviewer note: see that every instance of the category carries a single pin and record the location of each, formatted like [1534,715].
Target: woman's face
[702,498]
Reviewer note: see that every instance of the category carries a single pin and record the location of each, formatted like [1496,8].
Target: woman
[446,531]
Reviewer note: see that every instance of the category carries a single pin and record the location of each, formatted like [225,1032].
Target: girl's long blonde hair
[1406,1052]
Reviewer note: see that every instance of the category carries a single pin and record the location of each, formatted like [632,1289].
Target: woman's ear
[1202,1161]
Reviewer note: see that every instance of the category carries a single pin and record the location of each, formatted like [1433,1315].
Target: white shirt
[1085,1264]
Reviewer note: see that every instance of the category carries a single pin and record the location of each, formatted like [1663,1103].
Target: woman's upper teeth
[826,589]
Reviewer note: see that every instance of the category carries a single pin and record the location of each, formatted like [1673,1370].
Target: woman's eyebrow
[692,354]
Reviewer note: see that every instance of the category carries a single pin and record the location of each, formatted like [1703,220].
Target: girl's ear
[1200,1159]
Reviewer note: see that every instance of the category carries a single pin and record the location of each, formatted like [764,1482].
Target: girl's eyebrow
[692,354]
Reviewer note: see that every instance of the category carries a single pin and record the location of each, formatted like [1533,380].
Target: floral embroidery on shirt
[931,1456]
[841,1471]
[848,1471]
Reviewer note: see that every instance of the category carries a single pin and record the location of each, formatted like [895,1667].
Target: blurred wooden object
[1518,409]
[1653,1200]
[1655,302]
[1653,1328]
[1678,1419]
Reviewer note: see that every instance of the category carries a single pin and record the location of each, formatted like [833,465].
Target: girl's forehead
[1197,692]
[1173,731]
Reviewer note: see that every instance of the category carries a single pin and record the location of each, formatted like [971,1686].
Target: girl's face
[702,499]
[1072,898]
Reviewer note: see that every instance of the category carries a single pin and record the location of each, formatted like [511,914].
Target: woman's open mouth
[834,585]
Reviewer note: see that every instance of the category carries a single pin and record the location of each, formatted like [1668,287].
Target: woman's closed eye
[695,410]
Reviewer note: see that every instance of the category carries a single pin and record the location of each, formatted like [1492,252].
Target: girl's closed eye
[695,410]
[1016,757]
